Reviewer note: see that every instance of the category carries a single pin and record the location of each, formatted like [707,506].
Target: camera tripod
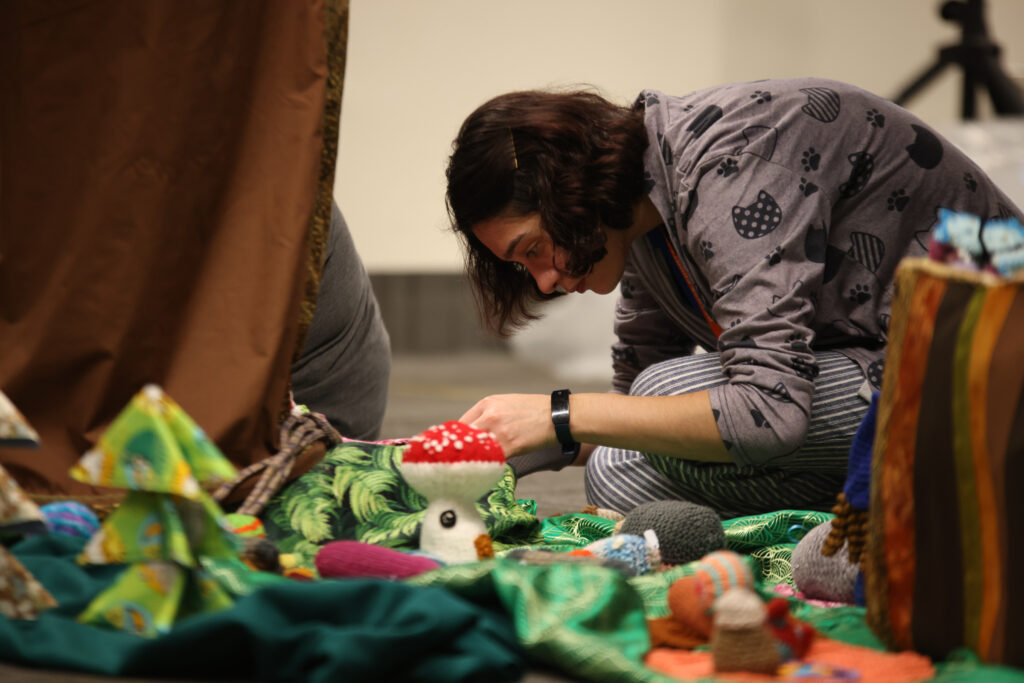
[978,56]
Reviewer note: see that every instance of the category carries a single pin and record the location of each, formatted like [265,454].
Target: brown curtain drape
[166,170]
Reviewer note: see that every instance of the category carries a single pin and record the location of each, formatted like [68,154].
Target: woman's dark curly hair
[574,158]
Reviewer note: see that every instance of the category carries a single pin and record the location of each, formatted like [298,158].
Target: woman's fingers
[521,422]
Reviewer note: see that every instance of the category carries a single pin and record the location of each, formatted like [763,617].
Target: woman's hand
[521,422]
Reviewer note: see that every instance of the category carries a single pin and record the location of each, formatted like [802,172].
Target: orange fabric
[874,666]
[963,448]
[670,632]
[1008,362]
[987,333]
[898,465]
[161,163]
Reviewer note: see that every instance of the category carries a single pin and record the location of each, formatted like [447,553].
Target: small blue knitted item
[69,518]
[639,553]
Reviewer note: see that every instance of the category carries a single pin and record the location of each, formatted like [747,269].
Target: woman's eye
[532,252]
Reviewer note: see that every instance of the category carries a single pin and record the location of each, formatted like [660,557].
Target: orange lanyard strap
[660,239]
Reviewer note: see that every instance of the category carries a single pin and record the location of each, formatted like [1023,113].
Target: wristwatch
[560,418]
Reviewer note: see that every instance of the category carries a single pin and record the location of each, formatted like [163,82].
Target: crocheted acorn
[686,531]
[452,465]
[793,637]
[690,598]
[354,558]
[740,638]
[823,577]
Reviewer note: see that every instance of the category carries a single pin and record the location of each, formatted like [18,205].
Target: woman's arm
[677,426]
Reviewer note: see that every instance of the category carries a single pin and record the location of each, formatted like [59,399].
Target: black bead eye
[448,519]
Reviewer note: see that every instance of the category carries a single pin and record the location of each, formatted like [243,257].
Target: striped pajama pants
[619,479]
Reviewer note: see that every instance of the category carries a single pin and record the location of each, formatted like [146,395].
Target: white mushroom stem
[454,543]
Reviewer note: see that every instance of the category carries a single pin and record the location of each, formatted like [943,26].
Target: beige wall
[416,68]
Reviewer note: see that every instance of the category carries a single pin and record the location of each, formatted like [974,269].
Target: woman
[760,221]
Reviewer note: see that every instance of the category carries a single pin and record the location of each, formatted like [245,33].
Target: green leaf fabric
[358,493]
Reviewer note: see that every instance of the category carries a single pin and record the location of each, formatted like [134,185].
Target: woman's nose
[546,278]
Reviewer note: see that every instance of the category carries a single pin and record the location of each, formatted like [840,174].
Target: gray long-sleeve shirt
[345,364]
[789,204]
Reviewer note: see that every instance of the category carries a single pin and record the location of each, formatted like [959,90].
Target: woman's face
[521,239]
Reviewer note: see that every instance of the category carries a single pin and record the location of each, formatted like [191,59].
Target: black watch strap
[560,418]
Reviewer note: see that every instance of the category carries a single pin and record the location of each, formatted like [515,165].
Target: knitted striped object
[690,598]
[70,518]
[944,561]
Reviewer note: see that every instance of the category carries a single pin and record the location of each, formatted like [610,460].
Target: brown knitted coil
[850,526]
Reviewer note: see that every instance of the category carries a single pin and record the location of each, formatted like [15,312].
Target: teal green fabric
[360,629]
[480,621]
[358,493]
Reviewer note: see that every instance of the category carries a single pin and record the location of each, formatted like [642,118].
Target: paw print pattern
[775,257]
[626,355]
[688,108]
[876,119]
[860,294]
[863,166]
[875,371]
[797,342]
[897,201]
[803,368]
[970,183]
[706,248]
[758,218]
[807,187]
[727,168]
[810,159]
[626,289]
[761,96]
[759,419]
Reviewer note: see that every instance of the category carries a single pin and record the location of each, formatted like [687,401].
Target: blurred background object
[416,70]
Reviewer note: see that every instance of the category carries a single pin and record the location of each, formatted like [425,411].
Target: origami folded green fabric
[149,526]
[153,445]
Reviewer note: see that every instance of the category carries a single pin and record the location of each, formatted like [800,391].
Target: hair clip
[515,159]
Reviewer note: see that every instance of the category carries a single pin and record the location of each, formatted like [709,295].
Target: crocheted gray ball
[686,531]
[821,577]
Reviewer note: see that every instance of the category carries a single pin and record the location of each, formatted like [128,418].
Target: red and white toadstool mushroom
[453,465]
